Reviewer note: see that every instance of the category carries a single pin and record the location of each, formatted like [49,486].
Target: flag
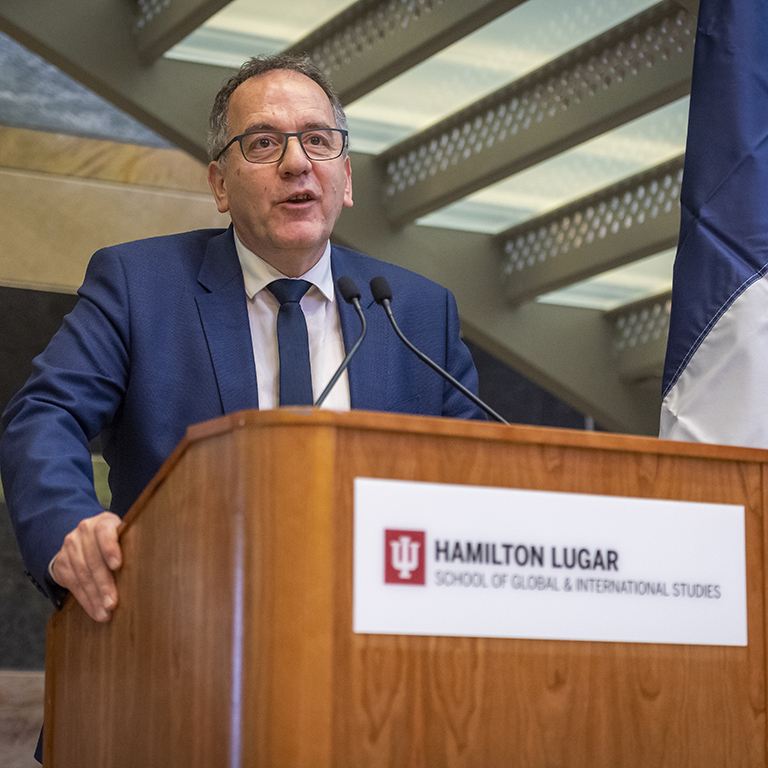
[715,387]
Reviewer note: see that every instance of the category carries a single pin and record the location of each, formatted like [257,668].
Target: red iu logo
[404,557]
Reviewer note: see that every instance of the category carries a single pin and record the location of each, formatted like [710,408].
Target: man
[172,331]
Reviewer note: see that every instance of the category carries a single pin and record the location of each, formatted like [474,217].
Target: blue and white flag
[716,372]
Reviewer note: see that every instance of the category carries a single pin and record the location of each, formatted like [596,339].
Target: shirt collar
[258,274]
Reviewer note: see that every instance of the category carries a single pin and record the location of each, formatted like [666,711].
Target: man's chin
[302,238]
[294,256]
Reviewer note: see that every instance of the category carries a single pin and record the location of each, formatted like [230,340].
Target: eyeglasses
[270,146]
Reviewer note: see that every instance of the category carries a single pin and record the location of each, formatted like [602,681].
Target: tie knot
[288,291]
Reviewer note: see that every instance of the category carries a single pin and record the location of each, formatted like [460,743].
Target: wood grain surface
[233,642]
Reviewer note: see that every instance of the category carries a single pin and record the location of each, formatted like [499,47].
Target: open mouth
[302,198]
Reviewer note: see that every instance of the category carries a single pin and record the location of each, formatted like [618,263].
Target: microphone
[382,295]
[351,295]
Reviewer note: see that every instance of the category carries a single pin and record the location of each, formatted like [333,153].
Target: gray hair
[218,126]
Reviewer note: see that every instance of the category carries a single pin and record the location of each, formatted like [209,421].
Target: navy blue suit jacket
[160,340]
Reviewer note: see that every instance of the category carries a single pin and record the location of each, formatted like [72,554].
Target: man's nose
[294,158]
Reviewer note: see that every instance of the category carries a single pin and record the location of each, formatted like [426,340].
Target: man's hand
[85,562]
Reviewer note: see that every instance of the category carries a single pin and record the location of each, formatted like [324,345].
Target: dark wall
[23,610]
[28,319]
[518,399]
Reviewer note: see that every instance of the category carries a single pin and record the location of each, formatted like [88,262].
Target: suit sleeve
[75,388]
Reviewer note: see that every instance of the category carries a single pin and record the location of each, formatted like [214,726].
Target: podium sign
[469,561]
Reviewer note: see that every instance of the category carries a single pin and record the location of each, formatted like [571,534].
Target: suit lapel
[368,372]
[224,316]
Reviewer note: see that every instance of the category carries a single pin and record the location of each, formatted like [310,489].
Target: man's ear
[218,187]
[348,183]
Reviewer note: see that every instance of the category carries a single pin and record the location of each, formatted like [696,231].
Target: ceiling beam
[93,42]
[692,6]
[370,43]
[640,332]
[159,26]
[99,43]
[630,70]
[637,217]
[566,350]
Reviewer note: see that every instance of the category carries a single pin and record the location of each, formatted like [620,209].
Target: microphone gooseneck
[351,295]
[382,295]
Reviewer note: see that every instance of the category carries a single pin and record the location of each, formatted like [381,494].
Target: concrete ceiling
[605,363]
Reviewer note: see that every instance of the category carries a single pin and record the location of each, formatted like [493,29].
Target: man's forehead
[256,90]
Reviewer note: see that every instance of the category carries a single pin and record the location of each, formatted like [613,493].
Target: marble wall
[23,616]
[65,197]
[21,712]
[23,610]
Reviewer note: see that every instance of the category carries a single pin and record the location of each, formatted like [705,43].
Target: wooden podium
[232,645]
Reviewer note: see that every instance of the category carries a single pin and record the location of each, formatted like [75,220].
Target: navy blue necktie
[293,342]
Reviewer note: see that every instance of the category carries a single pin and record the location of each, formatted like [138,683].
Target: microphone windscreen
[380,290]
[347,289]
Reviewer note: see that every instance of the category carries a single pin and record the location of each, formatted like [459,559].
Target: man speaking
[172,331]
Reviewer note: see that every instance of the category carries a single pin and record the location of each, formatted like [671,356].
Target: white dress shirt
[326,344]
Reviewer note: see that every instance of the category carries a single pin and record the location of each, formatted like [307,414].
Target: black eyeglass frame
[239,139]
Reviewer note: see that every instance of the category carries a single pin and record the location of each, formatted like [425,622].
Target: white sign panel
[470,561]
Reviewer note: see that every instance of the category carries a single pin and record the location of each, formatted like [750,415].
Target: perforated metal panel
[373,41]
[149,10]
[639,333]
[531,119]
[375,25]
[641,323]
[635,218]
